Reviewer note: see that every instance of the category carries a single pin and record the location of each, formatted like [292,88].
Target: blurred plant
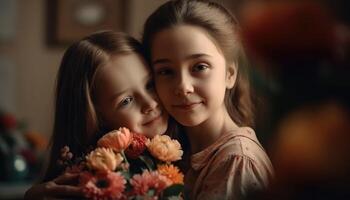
[20,150]
[302,56]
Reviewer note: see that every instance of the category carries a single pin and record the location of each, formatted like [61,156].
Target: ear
[231,76]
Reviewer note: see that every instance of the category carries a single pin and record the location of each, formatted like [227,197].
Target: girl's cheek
[164,95]
[160,88]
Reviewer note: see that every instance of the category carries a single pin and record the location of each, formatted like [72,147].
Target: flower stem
[124,156]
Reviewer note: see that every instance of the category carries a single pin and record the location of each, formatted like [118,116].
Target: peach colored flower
[142,183]
[137,146]
[103,185]
[172,173]
[103,159]
[118,140]
[164,148]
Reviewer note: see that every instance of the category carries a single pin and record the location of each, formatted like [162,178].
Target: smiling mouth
[153,120]
[188,106]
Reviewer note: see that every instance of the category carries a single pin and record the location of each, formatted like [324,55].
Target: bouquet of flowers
[127,165]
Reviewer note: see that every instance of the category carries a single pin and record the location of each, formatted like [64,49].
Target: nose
[183,86]
[149,103]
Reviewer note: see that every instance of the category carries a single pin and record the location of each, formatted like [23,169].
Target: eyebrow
[117,94]
[192,56]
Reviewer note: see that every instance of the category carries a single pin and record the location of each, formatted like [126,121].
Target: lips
[187,106]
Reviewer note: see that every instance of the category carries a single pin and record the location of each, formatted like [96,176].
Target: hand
[60,187]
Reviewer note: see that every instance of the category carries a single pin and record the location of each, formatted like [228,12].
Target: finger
[65,178]
[66,190]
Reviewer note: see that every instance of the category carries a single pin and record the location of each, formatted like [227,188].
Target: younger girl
[103,83]
[194,52]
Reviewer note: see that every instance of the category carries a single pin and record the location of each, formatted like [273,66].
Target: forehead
[183,40]
[123,70]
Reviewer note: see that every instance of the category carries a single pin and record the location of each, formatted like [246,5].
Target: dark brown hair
[223,28]
[76,120]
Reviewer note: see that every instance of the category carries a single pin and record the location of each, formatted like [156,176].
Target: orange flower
[172,173]
[118,140]
[164,148]
[37,140]
[103,159]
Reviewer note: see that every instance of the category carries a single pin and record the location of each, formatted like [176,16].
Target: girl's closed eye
[125,101]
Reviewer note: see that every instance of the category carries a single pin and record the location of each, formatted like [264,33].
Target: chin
[159,131]
[189,122]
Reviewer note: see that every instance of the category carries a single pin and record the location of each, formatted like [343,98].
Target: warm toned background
[35,63]
[302,116]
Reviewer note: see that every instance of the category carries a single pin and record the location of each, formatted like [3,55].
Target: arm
[62,186]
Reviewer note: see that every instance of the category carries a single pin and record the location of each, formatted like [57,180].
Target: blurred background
[298,58]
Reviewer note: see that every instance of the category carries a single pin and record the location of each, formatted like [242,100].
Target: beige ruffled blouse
[233,166]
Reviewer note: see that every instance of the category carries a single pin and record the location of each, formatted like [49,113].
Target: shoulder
[241,142]
[242,149]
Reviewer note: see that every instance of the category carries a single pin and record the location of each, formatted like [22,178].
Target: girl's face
[126,97]
[190,74]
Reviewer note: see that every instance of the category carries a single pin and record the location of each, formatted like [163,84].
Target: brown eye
[200,67]
[164,72]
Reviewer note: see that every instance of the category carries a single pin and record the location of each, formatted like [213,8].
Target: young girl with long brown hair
[195,53]
[103,83]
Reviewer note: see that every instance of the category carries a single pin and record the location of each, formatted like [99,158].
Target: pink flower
[105,185]
[149,181]
[118,140]
[137,146]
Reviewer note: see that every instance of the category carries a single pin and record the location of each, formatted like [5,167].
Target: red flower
[8,121]
[137,146]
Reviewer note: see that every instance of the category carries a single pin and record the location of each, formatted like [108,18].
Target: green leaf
[126,174]
[151,193]
[138,197]
[174,198]
[173,190]
[148,162]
